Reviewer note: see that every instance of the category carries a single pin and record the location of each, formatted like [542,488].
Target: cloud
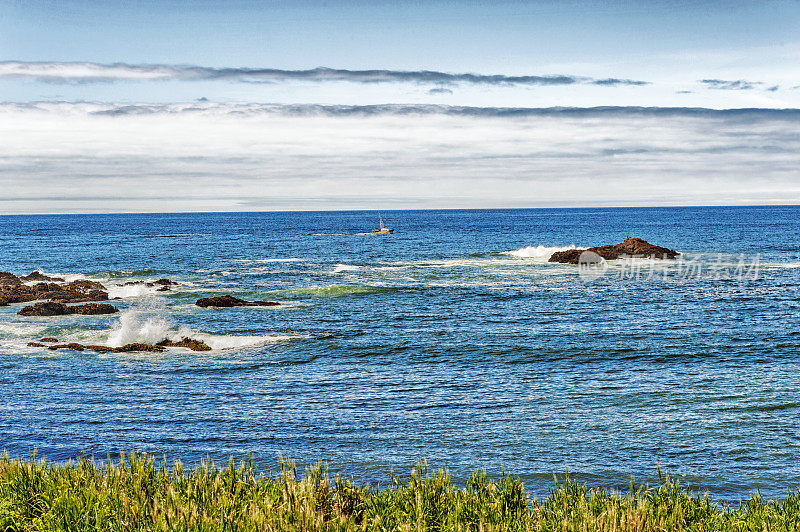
[736,85]
[255,110]
[439,90]
[71,157]
[84,72]
[613,82]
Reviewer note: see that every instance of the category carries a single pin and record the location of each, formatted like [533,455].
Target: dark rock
[38,276]
[45,308]
[92,308]
[75,292]
[6,298]
[129,348]
[7,278]
[163,289]
[49,340]
[164,282]
[631,247]
[100,348]
[190,343]
[53,308]
[85,285]
[230,301]
[73,346]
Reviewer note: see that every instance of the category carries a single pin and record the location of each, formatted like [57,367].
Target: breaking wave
[345,268]
[137,327]
[538,253]
[131,290]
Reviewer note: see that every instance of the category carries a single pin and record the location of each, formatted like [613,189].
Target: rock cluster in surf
[631,247]
[230,301]
[164,284]
[189,343]
[54,289]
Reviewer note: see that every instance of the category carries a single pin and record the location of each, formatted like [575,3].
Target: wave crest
[540,253]
[135,327]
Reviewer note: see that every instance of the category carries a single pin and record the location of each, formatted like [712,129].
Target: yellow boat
[383,229]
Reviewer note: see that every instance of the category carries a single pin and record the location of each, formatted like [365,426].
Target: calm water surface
[452,340]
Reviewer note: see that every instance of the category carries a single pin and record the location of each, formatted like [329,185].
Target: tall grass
[138,493]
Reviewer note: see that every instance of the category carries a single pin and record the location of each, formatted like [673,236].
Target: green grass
[136,493]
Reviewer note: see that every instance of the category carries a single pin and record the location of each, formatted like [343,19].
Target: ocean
[452,340]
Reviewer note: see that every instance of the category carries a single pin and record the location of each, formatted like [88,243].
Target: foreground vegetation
[136,493]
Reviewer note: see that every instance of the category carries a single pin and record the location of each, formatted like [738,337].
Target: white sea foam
[236,342]
[22,329]
[131,290]
[538,253]
[134,327]
[345,268]
[137,327]
[289,259]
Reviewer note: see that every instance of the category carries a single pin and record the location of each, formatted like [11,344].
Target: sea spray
[131,290]
[538,253]
[136,327]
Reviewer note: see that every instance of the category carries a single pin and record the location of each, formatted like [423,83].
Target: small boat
[383,229]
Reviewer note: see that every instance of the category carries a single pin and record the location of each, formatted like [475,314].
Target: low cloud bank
[87,157]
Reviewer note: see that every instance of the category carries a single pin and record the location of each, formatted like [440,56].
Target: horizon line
[581,207]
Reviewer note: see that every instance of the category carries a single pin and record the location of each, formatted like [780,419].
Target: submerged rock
[631,247]
[230,301]
[54,308]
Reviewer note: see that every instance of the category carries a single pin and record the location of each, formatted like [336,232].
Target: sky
[204,106]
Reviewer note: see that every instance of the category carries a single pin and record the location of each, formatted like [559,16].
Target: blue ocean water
[452,340]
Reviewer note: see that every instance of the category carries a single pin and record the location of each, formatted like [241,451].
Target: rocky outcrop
[81,291]
[230,301]
[189,343]
[160,282]
[38,276]
[53,308]
[9,279]
[631,247]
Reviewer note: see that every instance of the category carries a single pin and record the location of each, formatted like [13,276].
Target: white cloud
[85,72]
[206,156]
